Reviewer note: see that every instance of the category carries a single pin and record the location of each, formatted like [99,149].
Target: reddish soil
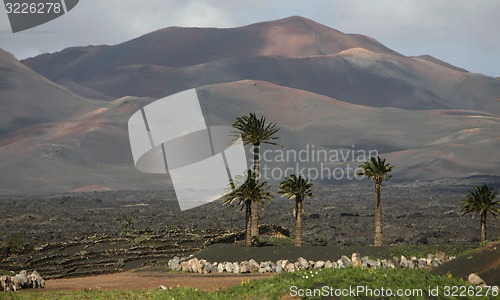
[147,279]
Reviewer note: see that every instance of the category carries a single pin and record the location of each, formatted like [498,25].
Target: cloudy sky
[464,33]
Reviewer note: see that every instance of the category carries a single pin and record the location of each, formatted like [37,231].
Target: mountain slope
[424,145]
[357,76]
[90,149]
[179,47]
[93,149]
[327,90]
[28,98]
[294,52]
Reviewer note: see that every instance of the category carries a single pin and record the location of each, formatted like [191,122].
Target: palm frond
[254,130]
[376,169]
[296,187]
[481,199]
[246,189]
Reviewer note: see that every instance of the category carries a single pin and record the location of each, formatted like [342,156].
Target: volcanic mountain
[294,52]
[27,98]
[324,88]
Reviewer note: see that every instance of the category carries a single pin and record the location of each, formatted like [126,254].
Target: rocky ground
[92,233]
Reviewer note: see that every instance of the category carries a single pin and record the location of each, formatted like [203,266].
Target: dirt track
[145,279]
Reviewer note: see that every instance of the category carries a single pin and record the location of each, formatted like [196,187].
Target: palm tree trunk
[255,202]
[483,226]
[248,231]
[256,161]
[254,226]
[378,216]
[298,223]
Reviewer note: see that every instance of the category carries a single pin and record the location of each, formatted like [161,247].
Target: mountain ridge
[295,52]
[323,87]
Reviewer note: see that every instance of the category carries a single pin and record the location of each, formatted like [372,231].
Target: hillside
[327,90]
[293,52]
[28,98]
[93,148]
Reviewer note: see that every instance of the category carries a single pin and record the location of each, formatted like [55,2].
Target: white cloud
[196,14]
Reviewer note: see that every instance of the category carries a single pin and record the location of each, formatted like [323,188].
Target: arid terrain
[90,233]
[63,123]
[74,204]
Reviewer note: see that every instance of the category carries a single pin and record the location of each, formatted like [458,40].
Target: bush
[14,243]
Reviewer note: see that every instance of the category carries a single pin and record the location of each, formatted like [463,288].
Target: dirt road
[147,279]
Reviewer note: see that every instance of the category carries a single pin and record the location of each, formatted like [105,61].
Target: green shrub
[14,243]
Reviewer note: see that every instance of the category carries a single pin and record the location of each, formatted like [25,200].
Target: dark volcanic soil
[485,262]
[91,233]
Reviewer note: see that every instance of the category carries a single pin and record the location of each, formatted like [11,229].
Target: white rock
[476,280]
[303,263]
[236,268]
[319,264]
[290,268]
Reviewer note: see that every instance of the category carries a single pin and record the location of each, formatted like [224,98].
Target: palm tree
[297,188]
[248,191]
[481,200]
[377,170]
[255,131]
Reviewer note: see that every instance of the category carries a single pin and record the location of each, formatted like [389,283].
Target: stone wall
[202,266]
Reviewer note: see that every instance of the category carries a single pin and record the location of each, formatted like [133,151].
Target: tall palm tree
[377,170]
[248,191]
[255,131]
[297,188]
[481,200]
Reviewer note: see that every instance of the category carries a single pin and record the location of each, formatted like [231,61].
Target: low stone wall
[202,266]
[20,281]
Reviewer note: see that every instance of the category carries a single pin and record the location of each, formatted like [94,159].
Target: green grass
[273,240]
[275,287]
[5,272]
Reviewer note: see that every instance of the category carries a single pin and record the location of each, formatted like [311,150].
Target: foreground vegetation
[416,281]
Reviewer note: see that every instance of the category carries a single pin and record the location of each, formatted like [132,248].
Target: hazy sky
[464,33]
